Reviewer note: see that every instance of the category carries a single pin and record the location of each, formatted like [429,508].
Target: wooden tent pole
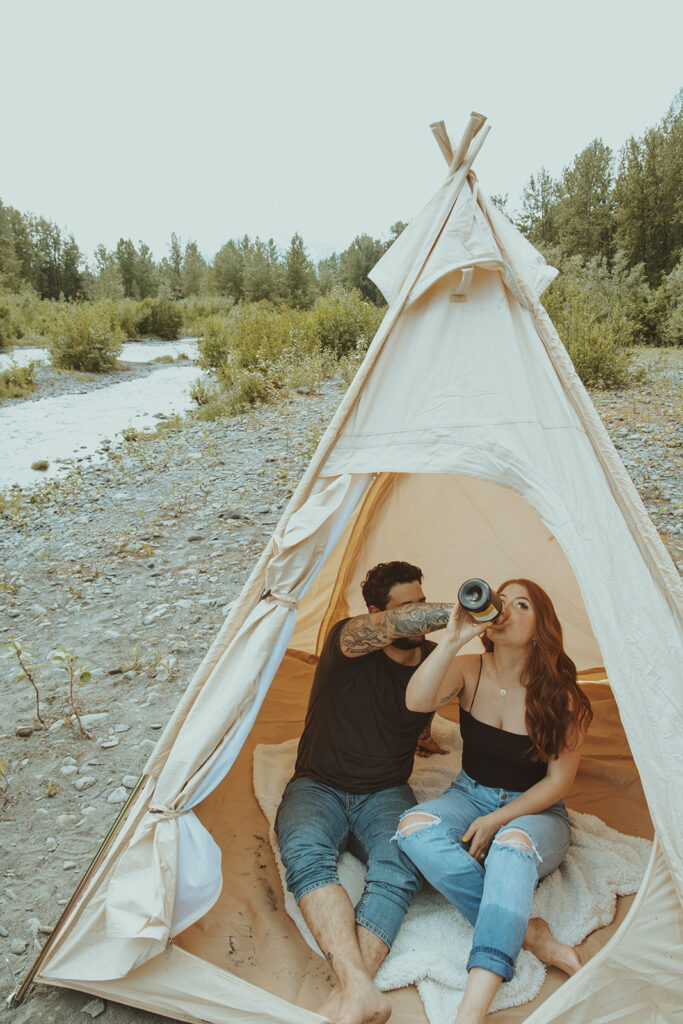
[474,125]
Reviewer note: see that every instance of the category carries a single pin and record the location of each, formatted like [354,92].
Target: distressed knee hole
[414,821]
[517,839]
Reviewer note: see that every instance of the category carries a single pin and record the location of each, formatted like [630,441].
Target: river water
[74,426]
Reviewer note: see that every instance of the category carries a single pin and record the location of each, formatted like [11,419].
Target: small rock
[50,844]
[94,1008]
[69,760]
[121,727]
[69,865]
[56,726]
[194,536]
[117,796]
[23,730]
[65,821]
[68,769]
[13,613]
[111,634]
[184,603]
[95,718]
[37,609]
[10,893]
[156,725]
[115,671]
[85,782]
[156,614]
[106,744]
[129,781]
[3,932]
[18,946]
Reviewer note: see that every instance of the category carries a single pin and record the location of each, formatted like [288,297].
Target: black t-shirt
[359,736]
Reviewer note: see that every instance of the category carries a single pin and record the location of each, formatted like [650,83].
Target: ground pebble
[69,865]
[68,769]
[117,796]
[50,844]
[84,782]
[3,932]
[121,727]
[94,1008]
[18,946]
[88,721]
[129,781]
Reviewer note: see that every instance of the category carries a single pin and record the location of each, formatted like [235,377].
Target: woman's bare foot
[360,1003]
[540,941]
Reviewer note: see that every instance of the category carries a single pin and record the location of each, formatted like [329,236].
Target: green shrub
[86,337]
[128,314]
[197,309]
[596,341]
[17,381]
[6,334]
[342,319]
[160,318]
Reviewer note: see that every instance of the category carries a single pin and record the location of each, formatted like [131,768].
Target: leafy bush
[342,319]
[17,381]
[160,318]
[594,339]
[86,337]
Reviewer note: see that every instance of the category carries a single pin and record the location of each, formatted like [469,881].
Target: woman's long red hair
[558,712]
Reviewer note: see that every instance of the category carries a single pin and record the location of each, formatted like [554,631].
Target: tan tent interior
[247,931]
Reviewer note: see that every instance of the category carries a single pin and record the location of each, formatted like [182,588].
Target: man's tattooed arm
[366,633]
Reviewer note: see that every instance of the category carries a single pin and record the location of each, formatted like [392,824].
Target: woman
[502,824]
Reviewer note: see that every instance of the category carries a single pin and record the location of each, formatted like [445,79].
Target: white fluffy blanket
[433,944]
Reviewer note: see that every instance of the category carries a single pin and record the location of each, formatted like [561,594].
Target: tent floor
[247,931]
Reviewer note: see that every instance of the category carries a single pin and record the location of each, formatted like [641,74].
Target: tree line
[605,211]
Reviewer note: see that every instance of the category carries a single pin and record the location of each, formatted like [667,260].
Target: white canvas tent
[467,444]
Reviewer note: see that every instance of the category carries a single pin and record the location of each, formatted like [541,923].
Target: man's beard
[407,643]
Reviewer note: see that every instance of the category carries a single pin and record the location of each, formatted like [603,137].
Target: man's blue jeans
[316,823]
[494,897]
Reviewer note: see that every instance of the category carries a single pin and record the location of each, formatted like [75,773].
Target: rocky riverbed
[130,564]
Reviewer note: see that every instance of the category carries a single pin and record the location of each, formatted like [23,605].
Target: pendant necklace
[501,689]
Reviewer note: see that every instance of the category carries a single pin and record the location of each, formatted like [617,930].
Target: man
[350,785]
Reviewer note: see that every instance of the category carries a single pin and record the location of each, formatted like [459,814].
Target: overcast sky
[216,118]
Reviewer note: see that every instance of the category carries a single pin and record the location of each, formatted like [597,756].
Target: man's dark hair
[381,578]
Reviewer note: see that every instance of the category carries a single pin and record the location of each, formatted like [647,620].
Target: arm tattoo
[363,634]
[449,696]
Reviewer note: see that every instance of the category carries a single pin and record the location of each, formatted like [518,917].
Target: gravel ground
[130,564]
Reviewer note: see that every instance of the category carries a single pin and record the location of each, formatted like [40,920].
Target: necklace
[501,689]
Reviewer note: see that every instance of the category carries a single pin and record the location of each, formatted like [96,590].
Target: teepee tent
[466,444]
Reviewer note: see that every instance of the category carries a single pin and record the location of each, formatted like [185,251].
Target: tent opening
[454,527]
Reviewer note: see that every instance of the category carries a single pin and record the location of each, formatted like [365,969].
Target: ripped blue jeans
[494,896]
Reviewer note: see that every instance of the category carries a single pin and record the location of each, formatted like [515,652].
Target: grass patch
[40,464]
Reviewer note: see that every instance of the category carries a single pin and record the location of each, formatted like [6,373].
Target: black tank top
[495,757]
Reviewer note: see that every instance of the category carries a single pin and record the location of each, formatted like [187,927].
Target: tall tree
[193,274]
[355,263]
[300,279]
[228,268]
[586,209]
[649,213]
[538,217]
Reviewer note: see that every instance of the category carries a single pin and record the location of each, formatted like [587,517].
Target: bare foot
[361,1003]
[540,941]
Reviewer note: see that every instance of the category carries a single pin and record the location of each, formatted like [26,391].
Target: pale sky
[214,118]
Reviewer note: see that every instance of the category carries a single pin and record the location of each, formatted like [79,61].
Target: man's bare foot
[361,1003]
[540,941]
